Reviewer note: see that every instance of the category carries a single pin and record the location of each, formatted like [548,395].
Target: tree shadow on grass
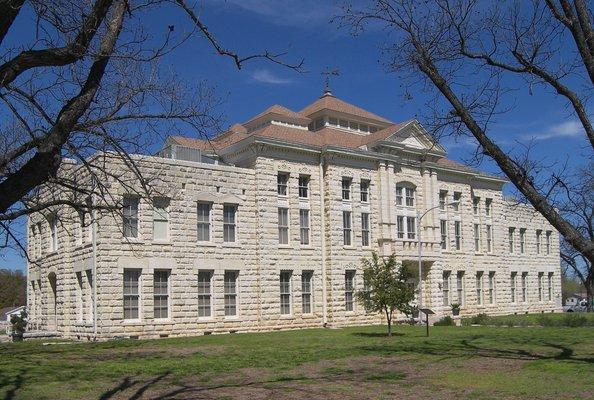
[376,334]
[300,383]
[16,383]
[465,348]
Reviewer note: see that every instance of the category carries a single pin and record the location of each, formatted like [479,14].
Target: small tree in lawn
[386,289]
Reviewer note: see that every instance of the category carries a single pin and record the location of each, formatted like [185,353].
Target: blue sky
[302,28]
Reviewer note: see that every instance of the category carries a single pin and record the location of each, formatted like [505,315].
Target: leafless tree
[465,51]
[88,81]
[578,205]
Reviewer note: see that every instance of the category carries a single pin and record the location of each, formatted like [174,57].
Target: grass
[548,320]
[462,362]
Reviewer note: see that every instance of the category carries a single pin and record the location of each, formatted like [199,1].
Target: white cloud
[296,13]
[265,76]
[565,129]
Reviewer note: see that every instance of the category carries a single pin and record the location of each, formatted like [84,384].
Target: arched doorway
[52,314]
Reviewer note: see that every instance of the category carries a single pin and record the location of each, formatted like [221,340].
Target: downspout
[323,241]
[94,271]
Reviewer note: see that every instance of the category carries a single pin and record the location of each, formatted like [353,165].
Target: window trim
[364,194]
[132,216]
[365,229]
[301,188]
[235,294]
[137,295]
[210,295]
[167,296]
[349,290]
[233,224]
[309,274]
[346,190]
[208,223]
[282,186]
[286,292]
[304,230]
[166,218]
[282,228]
[347,228]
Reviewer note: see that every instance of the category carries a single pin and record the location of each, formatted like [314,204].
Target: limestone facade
[290,211]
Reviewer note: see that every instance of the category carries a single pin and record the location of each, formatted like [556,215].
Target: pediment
[412,135]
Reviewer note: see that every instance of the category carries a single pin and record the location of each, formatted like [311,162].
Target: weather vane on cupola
[327,74]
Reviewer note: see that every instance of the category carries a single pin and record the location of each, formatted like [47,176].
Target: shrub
[479,319]
[445,321]
[574,320]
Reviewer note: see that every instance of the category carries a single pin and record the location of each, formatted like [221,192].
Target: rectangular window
[130,215]
[446,288]
[160,218]
[346,228]
[89,296]
[285,292]
[489,238]
[479,288]
[230,292]
[511,233]
[443,198]
[80,306]
[457,199]
[524,286]
[161,294]
[364,229]
[203,226]
[349,290]
[282,180]
[229,224]
[364,191]
[548,238]
[400,226]
[346,188]
[550,286]
[522,240]
[131,293]
[306,291]
[399,195]
[304,186]
[491,287]
[488,206]
[513,279]
[443,227]
[411,227]
[460,286]
[53,223]
[303,226]
[538,237]
[540,284]
[410,197]
[458,234]
[476,201]
[283,225]
[205,293]
[477,237]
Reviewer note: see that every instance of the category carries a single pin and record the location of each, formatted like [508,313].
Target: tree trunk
[589,296]
[389,319]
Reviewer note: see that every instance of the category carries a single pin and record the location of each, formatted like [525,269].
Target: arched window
[405,194]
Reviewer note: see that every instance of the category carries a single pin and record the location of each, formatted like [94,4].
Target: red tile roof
[329,102]
[282,111]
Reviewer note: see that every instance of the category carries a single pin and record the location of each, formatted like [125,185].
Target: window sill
[287,316]
[162,321]
[232,244]
[206,320]
[162,242]
[349,247]
[206,244]
[132,322]
[231,318]
[285,246]
[306,247]
[132,240]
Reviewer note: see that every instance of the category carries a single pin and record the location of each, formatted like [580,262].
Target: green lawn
[544,319]
[359,362]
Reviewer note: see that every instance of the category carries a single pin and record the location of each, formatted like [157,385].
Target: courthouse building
[264,226]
